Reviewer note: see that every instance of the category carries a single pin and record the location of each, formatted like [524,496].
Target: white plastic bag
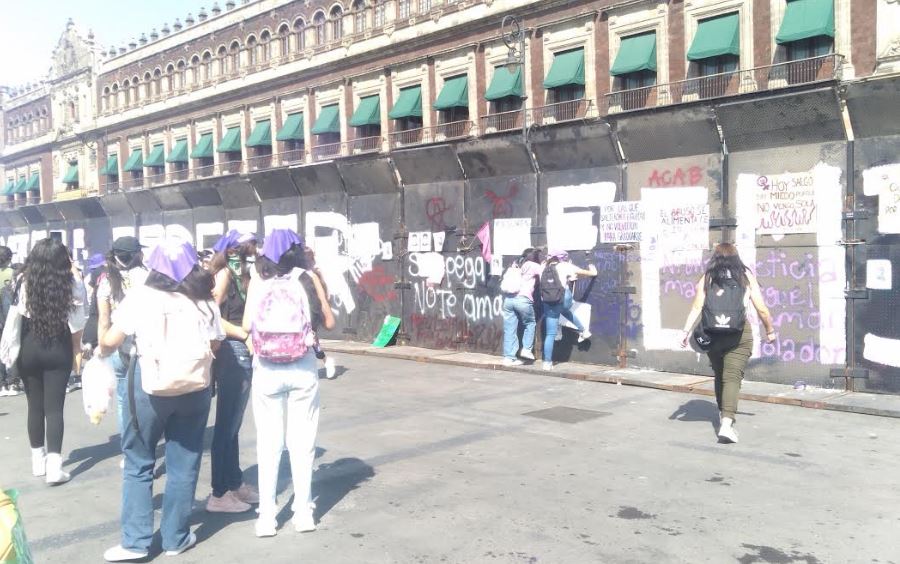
[98,383]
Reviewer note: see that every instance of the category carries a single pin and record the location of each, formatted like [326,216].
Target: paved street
[431,463]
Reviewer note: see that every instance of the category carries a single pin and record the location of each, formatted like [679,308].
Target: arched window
[113,98]
[104,100]
[402,9]
[424,6]
[157,83]
[223,61]
[252,55]
[135,90]
[207,66]
[359,16]
[179,74]
[234,53]
[126,89]
[170,78]
[284,40]
[319,23]
[300,35]
[195,70]
[337,23]
[148,86]
[265,46]
[378,16]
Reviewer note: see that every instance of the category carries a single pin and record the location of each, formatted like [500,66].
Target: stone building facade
[94,123]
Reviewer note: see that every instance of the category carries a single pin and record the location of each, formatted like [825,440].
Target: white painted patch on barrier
[178,232]
[511,235]
[569,226]
[208,233]
[244,225]
[881,350]
[283,221]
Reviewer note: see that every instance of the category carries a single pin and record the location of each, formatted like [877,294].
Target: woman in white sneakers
[285,390]
[176,327]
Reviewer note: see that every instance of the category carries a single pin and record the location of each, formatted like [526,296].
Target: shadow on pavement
[331,483]
[90,456]
[697,410]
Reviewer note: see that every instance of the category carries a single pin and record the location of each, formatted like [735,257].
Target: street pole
[512,31]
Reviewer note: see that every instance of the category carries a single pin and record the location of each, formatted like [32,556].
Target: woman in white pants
[285,393]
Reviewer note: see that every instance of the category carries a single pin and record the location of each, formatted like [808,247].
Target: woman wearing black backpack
[722,333]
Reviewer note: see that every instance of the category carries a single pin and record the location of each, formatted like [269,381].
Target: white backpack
[511,282]
[174,356]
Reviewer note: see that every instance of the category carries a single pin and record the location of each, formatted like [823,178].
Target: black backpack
[723,308]
[552,288]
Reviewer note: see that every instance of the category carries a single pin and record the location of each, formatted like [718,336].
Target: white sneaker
[512,362]
[119,554]
[584,336]
[727,432]
[189,544]
[265,527]
[525,353]
[304,523]
[38,462]
[547,365]
[55,473]
[329,368]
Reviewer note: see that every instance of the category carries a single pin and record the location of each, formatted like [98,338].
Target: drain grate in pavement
[563,414]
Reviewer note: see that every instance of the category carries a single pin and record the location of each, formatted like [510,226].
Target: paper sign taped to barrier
[511,235]
[574,231]
[878,274]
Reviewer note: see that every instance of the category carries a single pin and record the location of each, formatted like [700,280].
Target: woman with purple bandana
[172,312]
[232,373]
[285,394]
[567,274]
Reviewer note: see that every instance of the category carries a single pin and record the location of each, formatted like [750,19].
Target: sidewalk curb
[830,400]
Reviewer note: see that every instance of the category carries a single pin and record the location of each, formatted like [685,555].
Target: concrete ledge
[812,398]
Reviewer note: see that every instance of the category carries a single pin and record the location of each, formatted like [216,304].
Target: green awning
[567,69]
[804,19]
[716,37]
[34,183]
[454,94]
[71,176]
[231,142]
[368,112]
[329,121]
[408,104]
[135,162]
[20,185]
[636,53]
[204,147]
[9,188]
[157,156]
[292,130]
[112,166]
[261,136]
[505,84]
[179,152]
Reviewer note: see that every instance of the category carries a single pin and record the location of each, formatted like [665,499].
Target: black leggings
[44,369]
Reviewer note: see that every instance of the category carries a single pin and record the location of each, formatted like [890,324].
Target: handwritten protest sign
[786,203]
[621,222]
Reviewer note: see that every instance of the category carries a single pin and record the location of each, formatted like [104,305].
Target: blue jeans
[233,374]
[182,420]
[514,309]
[551,318]
[120,367]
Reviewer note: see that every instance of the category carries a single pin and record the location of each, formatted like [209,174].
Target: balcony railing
[259,162]
[365,145]
[770,77]
[570,110]
[327,151]
[179,175]
[132,183]
[407,138]
[448,131]
[156,179]
[229,167]
[293,156]
[504,121]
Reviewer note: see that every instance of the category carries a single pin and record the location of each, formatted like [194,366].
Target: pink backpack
[281,328]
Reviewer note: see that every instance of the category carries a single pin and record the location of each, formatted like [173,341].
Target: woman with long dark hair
[728,351]
[176,327]
[285,380]
[519,307]
[124,270]
[232,372]
[51,302]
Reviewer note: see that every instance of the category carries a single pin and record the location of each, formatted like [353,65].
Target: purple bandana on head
[278,242]
[232,239]
[560,254]
[96,261]
[174,259]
